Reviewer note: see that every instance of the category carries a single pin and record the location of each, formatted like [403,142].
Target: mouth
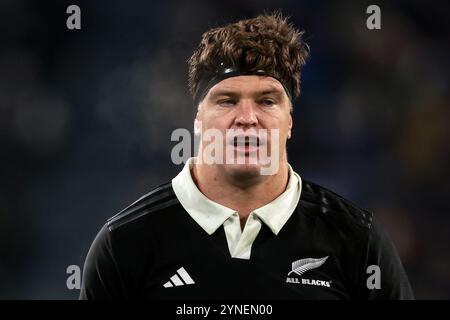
[246,145]
[246,141]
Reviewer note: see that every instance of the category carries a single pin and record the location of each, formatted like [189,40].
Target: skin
[243,102]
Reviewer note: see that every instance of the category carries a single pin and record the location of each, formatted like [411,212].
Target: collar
[211,215]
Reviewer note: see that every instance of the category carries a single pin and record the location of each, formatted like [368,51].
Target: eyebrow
[219,93]
[232,93]
[271,91]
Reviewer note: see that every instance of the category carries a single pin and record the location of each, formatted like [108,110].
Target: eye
[226,102]
[267,102]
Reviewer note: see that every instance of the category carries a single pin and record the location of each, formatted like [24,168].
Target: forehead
[247,84]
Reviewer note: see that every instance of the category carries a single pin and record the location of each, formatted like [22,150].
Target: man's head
[244,76]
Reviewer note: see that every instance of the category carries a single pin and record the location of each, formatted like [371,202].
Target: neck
[234,193]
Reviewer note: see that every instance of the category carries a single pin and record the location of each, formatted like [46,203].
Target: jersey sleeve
[385,277]
[102,279]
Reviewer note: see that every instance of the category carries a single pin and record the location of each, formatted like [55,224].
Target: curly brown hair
[268,42]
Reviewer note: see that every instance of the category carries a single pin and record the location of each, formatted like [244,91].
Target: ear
[197,126]
[289,133]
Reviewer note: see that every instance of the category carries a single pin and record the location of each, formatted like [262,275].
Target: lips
[246,141]
[246,144]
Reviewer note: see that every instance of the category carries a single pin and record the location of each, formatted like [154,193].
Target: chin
[244,171]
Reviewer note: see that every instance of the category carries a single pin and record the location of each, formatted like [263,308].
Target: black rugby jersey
[328,249]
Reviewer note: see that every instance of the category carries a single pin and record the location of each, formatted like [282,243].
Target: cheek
[213,128]
[214,124]
[284,128]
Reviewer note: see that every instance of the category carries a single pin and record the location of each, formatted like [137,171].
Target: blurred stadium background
[86,118]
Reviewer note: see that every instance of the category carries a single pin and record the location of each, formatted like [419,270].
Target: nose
[246,114]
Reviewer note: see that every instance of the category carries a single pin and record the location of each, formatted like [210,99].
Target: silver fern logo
[299,267]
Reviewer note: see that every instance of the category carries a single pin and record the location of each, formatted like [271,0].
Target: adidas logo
[178,278]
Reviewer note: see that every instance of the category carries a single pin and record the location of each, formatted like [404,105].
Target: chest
[278,268]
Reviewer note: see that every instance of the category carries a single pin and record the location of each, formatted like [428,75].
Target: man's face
[238,108]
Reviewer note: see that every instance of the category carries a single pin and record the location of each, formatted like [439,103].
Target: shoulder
[322,202]
[159,199]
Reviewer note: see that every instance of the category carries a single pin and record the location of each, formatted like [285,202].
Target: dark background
[86,118]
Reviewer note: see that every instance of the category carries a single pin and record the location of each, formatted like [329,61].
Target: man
[226,228]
